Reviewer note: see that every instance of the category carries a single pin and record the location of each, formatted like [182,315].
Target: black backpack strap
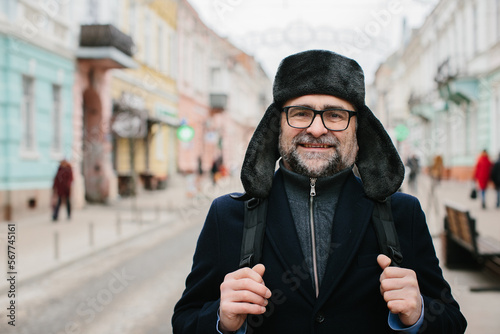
[255,226]
[386,231]
[253,232]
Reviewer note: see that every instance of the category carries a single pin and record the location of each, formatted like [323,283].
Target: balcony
[106,45]
[460,90]
[218,102]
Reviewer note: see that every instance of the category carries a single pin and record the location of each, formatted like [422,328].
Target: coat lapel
[352,216]
[283,238]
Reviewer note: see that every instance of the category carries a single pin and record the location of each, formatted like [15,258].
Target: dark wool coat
[495,174]
[349,299]
[63,180]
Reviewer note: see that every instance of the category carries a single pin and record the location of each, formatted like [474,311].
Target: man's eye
[300,113]
[335,115]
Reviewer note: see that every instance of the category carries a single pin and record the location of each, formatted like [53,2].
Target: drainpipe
[8,201]
[7,205]
[8,208]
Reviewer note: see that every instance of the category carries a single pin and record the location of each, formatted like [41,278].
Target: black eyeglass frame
[320,113]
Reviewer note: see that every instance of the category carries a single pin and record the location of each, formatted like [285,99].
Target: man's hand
[243,292]
[399,287]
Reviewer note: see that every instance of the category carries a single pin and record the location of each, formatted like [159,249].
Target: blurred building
[223,93]
[36,102]
[147,97]
[443,85]
[101,48]
[194,91]
[249,93]
[108,85]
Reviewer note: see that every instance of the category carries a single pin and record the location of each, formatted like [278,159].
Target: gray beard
[330,163]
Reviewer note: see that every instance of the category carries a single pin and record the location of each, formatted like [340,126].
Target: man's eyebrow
[334,106]
[326,106]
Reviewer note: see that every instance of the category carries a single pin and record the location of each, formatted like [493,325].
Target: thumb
[259,269]
[383,261]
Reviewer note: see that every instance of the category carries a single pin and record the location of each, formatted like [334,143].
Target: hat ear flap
[262,153]
[378,162]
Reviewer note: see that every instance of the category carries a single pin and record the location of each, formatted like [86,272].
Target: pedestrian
[320,271]
[495,177]
[481,175]
[62,188]
[199,176]
[436,172]
[414,166]
[437,169]
[215,170]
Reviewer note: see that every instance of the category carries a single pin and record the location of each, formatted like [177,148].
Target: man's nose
[317,129]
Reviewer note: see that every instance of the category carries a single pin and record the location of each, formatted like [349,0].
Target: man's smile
[316,145]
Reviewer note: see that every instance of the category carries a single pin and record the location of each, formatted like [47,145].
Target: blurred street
[130,283]
[126,113]
[481,309]
[126,282]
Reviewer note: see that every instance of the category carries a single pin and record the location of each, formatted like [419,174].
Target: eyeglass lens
[333,119]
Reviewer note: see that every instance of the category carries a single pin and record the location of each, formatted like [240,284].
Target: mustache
[304,138]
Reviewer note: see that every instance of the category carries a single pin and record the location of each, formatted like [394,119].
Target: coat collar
[352,216]
[284,240]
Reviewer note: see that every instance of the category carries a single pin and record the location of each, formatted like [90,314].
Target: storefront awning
[165,119]
[128,121]
[460,90]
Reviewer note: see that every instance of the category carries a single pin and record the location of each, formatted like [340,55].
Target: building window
[496,124]
[148,43]
[475,25]
[93,11]
[162,45]
[57,118]
[216,78]
[132,20]
[28,114]
[497,16]
[160,143]
[198,68]
[173,55]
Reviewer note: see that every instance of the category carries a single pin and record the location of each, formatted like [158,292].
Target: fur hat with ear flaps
[323,72]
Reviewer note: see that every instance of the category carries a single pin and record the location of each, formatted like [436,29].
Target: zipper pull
[313,186]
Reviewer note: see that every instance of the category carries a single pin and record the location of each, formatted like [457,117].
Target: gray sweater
[298,189]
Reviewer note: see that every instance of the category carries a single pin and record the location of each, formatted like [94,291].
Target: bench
[464,247]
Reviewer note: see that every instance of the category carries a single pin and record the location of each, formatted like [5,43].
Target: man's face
[317,151]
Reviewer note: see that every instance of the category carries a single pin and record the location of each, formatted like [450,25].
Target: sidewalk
[481,309]
[488,220]
[37,254]
[42,246]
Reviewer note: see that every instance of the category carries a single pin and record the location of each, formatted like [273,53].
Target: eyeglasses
[334,119]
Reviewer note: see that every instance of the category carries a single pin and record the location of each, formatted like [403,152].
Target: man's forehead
[320,101]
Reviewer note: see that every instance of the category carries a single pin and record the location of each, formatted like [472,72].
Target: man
[320,271]
[495,177]
[414,166]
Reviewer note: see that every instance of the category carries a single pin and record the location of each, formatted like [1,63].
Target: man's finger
[259,269]
[246,284]
[246,273]
[246,296]
[383,261]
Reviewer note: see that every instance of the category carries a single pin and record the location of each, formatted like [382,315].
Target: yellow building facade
[145,99]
